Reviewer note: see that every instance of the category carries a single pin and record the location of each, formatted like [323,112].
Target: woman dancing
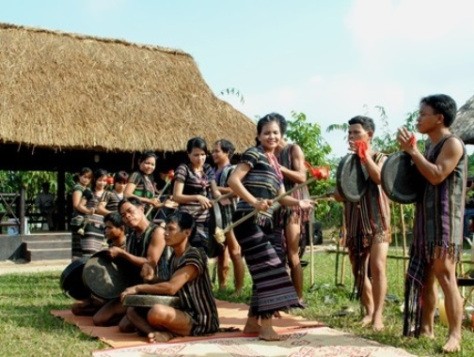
[257,179]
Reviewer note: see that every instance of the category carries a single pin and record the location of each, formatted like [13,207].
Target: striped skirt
[272,289]
[93,239]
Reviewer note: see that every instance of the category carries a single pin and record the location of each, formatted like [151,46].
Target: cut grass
[27,327]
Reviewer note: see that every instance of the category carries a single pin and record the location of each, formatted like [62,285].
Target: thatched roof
[69,91]
[463,126]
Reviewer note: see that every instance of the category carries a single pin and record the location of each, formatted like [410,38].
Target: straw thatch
[463,126]
[67,91]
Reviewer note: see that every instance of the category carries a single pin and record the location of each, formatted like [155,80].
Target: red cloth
[361,150]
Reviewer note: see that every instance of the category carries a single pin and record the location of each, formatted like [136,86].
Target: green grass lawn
[27,327]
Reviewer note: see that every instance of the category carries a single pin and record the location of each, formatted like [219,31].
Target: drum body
[401,180]
[214,247]
[71,280]
[150,300]
[107,278]
[351,178]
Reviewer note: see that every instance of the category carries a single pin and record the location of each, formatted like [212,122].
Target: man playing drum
[146,250]
[438,228]
[368,226]
[189,281]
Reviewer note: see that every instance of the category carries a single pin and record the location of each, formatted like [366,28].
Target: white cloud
[385,23]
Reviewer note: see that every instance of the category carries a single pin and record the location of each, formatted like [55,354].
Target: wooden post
[22,210]
[404,238]
[61,200]
[311,257]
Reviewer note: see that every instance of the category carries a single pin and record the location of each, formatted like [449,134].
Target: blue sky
[328,59]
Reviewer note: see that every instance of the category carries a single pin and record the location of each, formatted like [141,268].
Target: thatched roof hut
[64,91]
[463,126]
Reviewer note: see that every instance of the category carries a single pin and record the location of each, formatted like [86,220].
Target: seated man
[145,250]
[189,281]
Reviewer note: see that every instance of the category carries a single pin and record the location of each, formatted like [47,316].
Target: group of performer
[438,225]
[172,256]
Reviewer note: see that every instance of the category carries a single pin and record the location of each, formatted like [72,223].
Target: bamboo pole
[311,257]
[404,238]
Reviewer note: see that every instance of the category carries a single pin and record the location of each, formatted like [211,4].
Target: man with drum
[189,281]
[368,225]
[105,311]
[438,227]
[145,249]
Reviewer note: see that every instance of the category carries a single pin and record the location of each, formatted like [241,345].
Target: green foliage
[308,136]
[13,181]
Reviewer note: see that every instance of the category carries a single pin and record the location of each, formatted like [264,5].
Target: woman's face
[101,182]
[218,155]
[147,166]
[119,186]
[85,179]
[197,157]
[270,136]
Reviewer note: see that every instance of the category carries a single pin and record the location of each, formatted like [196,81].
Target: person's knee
[157,314]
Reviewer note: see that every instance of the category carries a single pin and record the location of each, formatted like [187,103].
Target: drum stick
[221,197]
[220,233]
[158,197]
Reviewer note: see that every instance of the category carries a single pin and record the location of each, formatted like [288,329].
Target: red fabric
[361,150]
[318,172]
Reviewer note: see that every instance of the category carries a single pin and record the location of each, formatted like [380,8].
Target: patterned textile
[272,289]
[196,295]
[196,185]
[438,231]
[93,239]
[111,199]
[137,244]
[227,210]
[367,222]
[285,159]
[144,184]
[261,181]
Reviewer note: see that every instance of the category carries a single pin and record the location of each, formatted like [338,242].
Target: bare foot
[452,345]
[366,321]
[268,334]
[378,327]
[154,337]
[252,326]
[377,323]
[427,332]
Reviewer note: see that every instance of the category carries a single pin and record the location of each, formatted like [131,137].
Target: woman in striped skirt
[257,179]
[93,239]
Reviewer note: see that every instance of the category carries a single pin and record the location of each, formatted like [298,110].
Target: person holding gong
[368,226]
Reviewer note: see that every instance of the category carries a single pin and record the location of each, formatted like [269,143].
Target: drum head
[71,281]
[108,278]
[351,178]
[150,300]
[401,180]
